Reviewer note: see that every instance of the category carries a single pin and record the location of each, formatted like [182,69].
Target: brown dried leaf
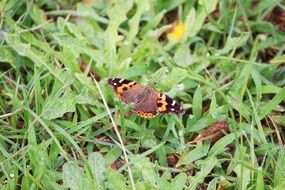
[213,133]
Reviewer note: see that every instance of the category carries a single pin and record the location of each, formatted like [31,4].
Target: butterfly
[146,102]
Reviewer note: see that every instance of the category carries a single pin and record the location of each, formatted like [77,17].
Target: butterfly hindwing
[165,105]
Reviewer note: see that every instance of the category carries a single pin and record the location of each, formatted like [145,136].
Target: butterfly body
[146,102]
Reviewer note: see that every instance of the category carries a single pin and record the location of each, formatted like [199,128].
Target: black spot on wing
[173,106]
[116,82]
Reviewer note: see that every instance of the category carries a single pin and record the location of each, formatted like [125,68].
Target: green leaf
[113,155]
[115,180]
[199,152]
[265,109]
[259,180]
[159,75]
[178,183]
[37,14]
[153,22]
[203,10]
[176,75]
[195,126]
[206,166]
[243,175]
[56,107]
[219,147]
[279,174]
[74,178]
[97,164]
[182,56]
[234,43]
[144,168]
[197,103]
[7,55]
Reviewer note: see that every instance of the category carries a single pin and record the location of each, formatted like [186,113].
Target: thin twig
[117,132]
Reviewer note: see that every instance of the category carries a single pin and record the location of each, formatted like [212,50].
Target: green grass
[226,64]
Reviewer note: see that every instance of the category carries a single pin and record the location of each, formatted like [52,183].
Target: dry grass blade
[116,131]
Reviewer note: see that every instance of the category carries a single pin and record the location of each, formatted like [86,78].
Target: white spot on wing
[172,109]
[173,103]
[180,108]
[112,79]
[121,80]
[115,84]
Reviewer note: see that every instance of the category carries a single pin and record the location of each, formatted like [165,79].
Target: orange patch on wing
[120,97]
[162,103]
[125,87]
[146,115]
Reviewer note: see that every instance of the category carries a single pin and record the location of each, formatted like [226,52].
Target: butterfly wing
[166,105]
[147,105]
[126,90]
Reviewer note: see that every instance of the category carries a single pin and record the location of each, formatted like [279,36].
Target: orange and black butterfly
[147,103]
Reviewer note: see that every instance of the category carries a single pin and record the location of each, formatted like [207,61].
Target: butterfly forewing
[165,105]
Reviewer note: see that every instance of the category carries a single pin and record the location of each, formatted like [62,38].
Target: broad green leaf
[243,175]
[219,147]
[113,155]
[176,75]
[145,169]
[97,164]
[206,166]
[199,152]
[182,56]
[197,125]
[159,75]
[37,14]
[117,15]
[56,107]
[74,178]
[115,180]
[7,55]
[142,6]
[234,43]
[162,156]
[179,182]
[205,7]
